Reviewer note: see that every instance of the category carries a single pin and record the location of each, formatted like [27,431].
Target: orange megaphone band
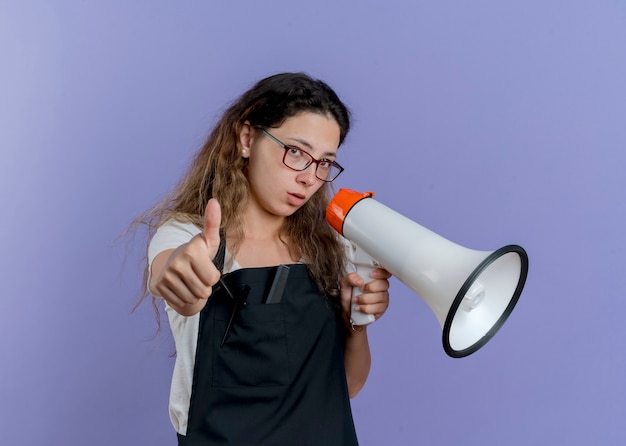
[341,204]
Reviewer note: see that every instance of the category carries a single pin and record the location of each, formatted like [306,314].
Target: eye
[325,164]
[294,152]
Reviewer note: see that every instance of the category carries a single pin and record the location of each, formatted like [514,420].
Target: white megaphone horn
[472,293]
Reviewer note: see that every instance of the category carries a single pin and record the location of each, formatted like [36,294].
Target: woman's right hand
[185,276]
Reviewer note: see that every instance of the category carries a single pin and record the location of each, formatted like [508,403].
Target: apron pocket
[254,353]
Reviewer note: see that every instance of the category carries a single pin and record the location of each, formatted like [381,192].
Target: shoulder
[170,235]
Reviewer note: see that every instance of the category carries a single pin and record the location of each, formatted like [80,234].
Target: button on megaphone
[472,293]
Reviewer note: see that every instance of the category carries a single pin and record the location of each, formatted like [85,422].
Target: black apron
[269,373]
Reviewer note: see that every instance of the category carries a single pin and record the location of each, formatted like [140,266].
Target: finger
[351,280]
[376,286]
[365,300]
[172,299]
[192,267]
[381,297]
[380,273]
[212,222]
[205,275]
[200,285]
[172,282]
[176,293]
[376,309]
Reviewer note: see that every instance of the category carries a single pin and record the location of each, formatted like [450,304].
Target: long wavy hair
[218,171]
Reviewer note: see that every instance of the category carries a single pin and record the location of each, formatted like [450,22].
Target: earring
[244,152]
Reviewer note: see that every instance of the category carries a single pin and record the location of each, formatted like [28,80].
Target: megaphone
[471,292]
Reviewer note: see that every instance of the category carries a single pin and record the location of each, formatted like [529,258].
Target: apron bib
[269,373]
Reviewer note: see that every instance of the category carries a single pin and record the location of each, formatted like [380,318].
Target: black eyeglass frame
[317,162]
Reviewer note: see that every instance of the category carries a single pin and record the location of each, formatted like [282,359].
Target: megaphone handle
[364,266]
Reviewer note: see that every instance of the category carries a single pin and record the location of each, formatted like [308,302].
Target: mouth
[296,199]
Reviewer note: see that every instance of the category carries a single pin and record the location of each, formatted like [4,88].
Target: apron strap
[220,256]
[238,297]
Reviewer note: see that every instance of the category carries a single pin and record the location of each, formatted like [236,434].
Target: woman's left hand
[374,297]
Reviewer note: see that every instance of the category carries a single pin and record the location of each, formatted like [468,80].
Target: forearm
[357,360]
[374,299]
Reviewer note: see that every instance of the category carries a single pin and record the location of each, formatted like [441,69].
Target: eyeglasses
[297,159]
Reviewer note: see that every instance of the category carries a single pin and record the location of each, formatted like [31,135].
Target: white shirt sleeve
[171,235]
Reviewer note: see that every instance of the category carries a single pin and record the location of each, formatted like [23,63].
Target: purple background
[488,122]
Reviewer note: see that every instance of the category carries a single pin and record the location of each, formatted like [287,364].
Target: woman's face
[275,188]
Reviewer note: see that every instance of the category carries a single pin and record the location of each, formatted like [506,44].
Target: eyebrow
[310,147]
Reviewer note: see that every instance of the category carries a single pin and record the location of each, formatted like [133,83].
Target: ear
[246,137]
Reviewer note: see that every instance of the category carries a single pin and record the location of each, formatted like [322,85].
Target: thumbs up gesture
[185,276]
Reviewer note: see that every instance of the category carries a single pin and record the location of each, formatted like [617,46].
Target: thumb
[212,221]
[351,280]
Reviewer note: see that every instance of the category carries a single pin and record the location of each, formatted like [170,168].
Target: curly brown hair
[218,171]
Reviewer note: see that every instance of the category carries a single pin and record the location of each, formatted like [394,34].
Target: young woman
[255,281]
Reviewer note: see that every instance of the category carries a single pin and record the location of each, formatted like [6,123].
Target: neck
[262,243]
[260,225]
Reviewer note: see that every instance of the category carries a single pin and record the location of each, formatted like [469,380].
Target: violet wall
[488,122]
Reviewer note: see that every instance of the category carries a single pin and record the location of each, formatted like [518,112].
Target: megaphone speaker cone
[495,285]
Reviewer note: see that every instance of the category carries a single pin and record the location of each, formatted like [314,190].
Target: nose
[307,176]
